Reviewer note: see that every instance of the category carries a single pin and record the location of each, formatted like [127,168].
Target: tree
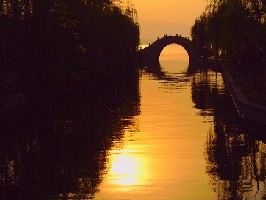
[230,28]
[56,44]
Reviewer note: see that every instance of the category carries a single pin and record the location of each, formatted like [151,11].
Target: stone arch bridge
[149,56]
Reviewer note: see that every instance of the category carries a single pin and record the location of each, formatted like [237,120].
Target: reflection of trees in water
[208,92]
[236,164]
[61,151]
[235,160]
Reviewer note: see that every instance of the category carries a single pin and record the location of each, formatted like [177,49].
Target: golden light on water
[127,168]
[163,158]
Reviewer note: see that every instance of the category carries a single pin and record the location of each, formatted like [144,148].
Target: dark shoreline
[251,116]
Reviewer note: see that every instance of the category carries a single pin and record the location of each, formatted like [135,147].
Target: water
[175,136]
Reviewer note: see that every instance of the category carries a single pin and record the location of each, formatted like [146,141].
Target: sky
[159,17]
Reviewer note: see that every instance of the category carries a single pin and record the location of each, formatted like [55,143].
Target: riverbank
[246,109]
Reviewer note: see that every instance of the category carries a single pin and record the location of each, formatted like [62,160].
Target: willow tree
[52,44]
[233,30]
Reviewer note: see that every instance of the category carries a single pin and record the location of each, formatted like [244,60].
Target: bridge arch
[150,55]
[174,51]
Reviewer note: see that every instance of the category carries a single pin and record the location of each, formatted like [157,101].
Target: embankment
[247,110]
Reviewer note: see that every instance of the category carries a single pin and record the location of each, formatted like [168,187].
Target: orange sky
[159,17]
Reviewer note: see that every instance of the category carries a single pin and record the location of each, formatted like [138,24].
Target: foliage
[235,31]
[58,45]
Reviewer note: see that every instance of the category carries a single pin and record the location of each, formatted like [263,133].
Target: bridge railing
[170,37]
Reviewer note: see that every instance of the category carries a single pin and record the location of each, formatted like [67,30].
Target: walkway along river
[175,135]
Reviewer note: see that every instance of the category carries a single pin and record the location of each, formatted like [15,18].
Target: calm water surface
[174,137]
[185,143]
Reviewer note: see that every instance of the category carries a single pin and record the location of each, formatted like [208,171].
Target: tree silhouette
[231,29]
[49,46]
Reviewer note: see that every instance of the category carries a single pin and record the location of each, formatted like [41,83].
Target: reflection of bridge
[149,56]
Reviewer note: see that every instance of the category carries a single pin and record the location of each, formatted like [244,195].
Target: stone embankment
[246,109]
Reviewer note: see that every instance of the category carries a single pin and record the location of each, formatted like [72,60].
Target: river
[177,136]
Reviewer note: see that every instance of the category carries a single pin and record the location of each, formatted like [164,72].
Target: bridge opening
[174,59]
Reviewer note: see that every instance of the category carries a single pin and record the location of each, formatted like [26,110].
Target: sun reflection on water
[128,169]
[162,158]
